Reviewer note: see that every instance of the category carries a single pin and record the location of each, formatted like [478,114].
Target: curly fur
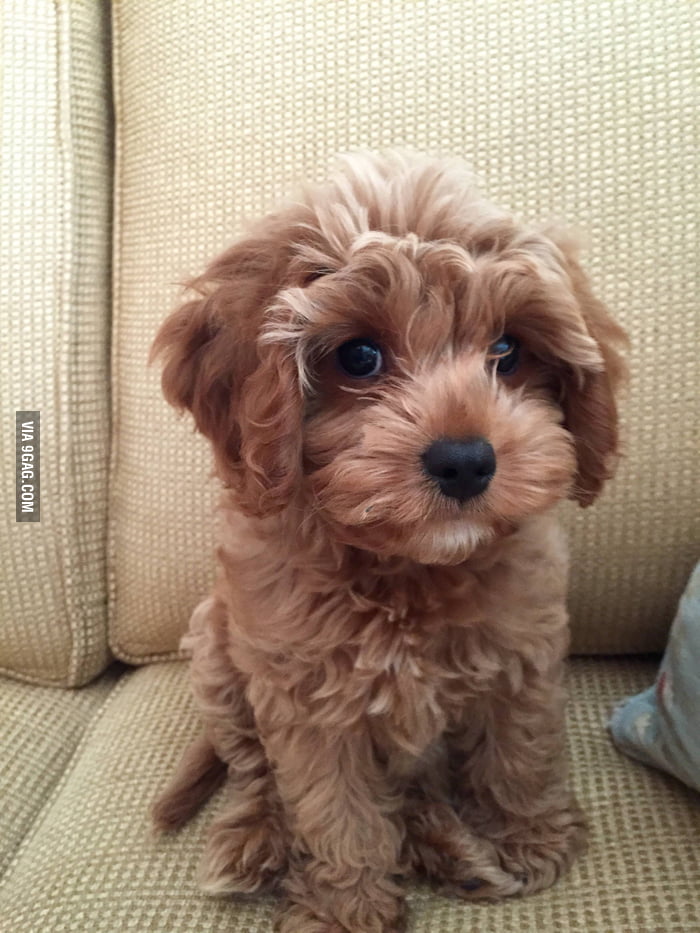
[379,669]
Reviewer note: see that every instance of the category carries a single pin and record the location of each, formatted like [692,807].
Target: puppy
[399,382]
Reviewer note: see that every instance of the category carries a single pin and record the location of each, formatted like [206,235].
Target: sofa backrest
[55,243]
[577,112]
[573,111]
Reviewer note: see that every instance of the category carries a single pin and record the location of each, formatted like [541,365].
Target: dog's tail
[198,775]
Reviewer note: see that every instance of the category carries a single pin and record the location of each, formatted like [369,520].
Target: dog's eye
[506,352]
[316,274]
[360,358]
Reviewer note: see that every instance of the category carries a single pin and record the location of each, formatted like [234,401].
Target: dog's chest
[412,689]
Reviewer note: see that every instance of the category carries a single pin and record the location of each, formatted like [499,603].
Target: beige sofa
[579,111]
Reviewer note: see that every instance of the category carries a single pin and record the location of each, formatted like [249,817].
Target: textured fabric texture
[91,863]
[40,730]
[582,112]
[55,191]
[661,725]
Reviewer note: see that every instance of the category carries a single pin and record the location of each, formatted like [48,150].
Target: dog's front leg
[512,778]
[347,836]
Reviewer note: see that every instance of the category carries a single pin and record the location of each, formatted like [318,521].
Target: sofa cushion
[41,728]
[91,862]
[55,189]
[577,111]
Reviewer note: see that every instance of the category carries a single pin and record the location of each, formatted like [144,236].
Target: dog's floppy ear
[589,394]
[242,393]
[271,429]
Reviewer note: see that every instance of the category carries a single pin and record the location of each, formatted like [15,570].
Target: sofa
[136,141]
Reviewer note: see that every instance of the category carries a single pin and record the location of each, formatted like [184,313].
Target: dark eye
[506,352]
[317,274]
[360,358]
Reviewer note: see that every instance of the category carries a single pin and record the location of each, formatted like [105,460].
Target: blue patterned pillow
[661,726]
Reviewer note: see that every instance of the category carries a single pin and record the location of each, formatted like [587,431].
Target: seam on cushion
[117,227]
[47,806]
[63,392]
[78,610]
[142,660]
[94,609]
[86,623]
[36,680]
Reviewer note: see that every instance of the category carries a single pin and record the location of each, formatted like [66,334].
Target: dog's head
[401,357]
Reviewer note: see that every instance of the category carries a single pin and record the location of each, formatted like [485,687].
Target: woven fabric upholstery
[55,189]
[584,112]
[41,728]
[91,863]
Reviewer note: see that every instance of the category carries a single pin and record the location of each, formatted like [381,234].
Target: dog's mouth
[447,542]
[424,525]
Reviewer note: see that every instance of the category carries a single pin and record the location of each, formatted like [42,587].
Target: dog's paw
[488,883]
[456,860]
[299,918]
[352,902]
[543,852]
[241,859]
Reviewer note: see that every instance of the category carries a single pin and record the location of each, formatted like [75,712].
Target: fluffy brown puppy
[399,382]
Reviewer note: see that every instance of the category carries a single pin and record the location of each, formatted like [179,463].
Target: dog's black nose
[461,468]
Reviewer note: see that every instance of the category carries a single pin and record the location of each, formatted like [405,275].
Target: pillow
[661,726]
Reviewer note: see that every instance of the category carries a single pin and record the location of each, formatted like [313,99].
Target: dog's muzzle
[462,468]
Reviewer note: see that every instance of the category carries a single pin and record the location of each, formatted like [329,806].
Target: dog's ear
[589,393]
[242,392]
[271,430]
